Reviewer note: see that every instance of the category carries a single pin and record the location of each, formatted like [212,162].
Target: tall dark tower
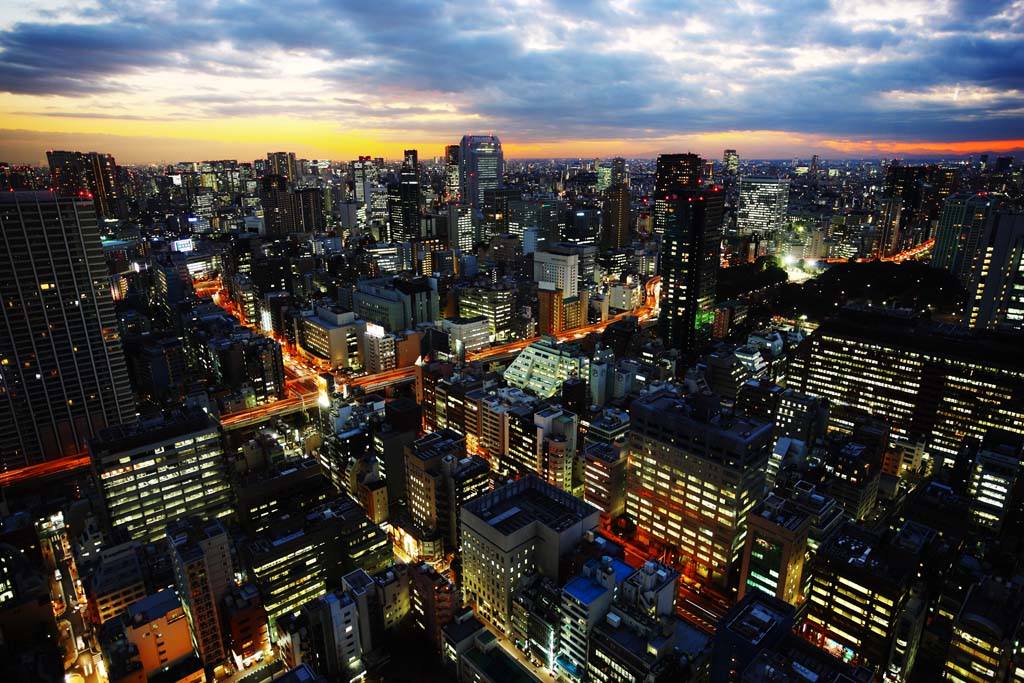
[674,173]
[616,227]
[93,175]
[62,370]
[689,267]
[408,228]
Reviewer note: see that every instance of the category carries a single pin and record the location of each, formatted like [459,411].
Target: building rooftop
[782,513]
[129,436]
[529,500]
[152,607]
[498,666]
[755,621]
[584,590]
[993,608]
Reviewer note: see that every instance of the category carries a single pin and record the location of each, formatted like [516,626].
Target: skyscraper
[92,175]
[887,230]
[451,173]
[763,206]
[407,227]
[995,285]
[203,573]
[731,161]
[283,164]
[690,260]
[674,173]
[961,224]
[481,167]
[693,475]
[364,174]
[616,228]
[62,371]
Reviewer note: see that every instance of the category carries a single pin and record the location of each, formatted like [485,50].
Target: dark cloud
[562,70]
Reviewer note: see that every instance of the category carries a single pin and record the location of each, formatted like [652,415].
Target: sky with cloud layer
[170,80]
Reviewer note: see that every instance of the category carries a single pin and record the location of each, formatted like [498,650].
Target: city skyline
[163,84]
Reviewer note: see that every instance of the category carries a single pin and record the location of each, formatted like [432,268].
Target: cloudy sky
[168,80]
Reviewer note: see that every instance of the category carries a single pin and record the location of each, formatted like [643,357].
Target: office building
[493,304]
[522,526]
[451,173]
[435,600]
[292,561]
[481,167]
[932,384]
[282,164]
[859,588]
[986,635]
[157,472]
[554,271]
[330,335]
[616,228]
[673,174]
[203,574]
[604,478]
[151,635]
[995,286]
[586,599]
[888,237]
[763,206]
[116,582]
[324,634]
[396,304]
[773,555]
[440,478]
[245,625]
[690,261]
[90,175]
[694,475]
[466,335]
[544,365]
[731,161]
[959,233]
[992,485]
[64,382]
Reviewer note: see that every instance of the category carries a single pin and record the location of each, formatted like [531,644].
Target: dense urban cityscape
[515,342]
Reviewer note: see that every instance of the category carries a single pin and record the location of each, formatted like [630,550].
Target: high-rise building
[405,223]
[157,472]
[860,587]
[544,365]
[986,635]
[763,206]
[481,167]
[88,175]
[62,370]
[888,236]
[731,161]
[282,164]
[959,234]
[673,174]
[933,385]
[992,485]
[493,304]
[364,176]
[694,474]
[523,526]
[773,555]
[616,228]
[689,267]
[440,479]
[204,574]
[995,286]
[451,173]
